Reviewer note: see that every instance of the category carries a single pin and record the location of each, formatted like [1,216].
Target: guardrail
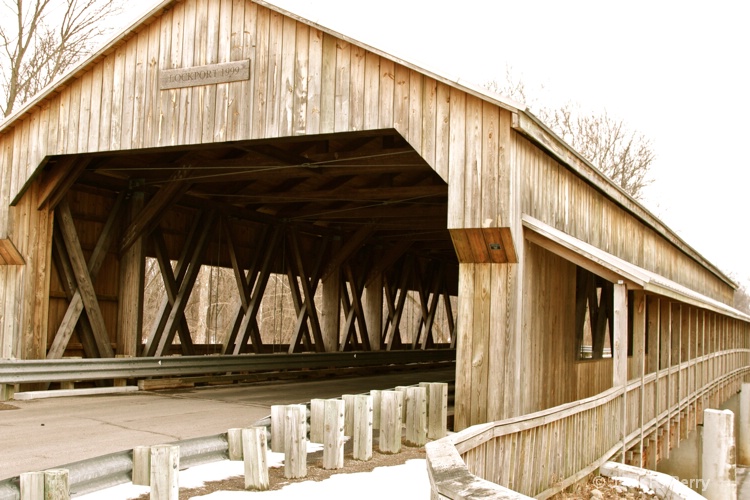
[557,447]
[110,470]
[60,370]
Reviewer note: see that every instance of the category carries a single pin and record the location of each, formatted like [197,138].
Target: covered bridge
[231,133]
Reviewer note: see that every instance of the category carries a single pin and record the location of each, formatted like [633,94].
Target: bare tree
[40,39]
[623,155]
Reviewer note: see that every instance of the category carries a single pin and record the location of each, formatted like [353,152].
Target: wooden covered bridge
[232,134]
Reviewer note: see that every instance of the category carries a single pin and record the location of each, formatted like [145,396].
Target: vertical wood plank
[260,74]
[387,86]
[371,95]
[357,88]
[457,160]
[315,77]
[275,86]
[341,103]
[464,331]
[302,79]
[402,78]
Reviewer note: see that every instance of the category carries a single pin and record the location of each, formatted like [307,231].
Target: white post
[254,450]
[620,354]
[718,460]
[56,484]
[390,421]
[743,457]
[234,443]
[362,427]
[165,468]
[416,416]
[295,441]
[141,466]
[333,439]
[277,428]
[317,420]
[7,391]
[375,408]
[32,485]
[437,410]
[348,414]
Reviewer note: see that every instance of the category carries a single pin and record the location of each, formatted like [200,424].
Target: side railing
[542,453]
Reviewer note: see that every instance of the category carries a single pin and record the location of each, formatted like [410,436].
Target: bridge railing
[542,453]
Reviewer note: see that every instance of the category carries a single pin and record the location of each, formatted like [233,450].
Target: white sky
[676,71]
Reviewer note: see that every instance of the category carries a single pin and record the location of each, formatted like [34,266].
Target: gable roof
[526,124]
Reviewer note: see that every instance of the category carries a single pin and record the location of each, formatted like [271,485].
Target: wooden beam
[351,245]
[83,279]
[399,309]
[150,216]
[132,276]
[171,287]
[354,311]
[9,254]
[73,317]
[157,329]
[260,277]
[186,286]
[309,302]
[56,182]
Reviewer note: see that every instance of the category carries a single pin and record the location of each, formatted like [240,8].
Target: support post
[718,465]
[165,468]
[390,421]
[317,420]
[295,441]
[362,427]
[376,400]
[277,428]
[234,443]
[141,466]
[132,275]
[254,452]
[743,457]
[348,414]
[416,416]
[7,391]
[32,485]
[437,409]
[620,355]
[372,302]
[333,440]
[330,318]
[57,484]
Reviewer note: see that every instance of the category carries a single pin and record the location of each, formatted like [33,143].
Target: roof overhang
[615,269]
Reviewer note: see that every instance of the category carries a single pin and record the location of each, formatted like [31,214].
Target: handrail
[58,370]
[466,441]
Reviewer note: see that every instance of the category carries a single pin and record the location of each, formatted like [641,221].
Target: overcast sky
[676,71]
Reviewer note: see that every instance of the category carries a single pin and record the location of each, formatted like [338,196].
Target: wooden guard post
[277,428]
[362,427]
[234,444]
[437,409]
[333,440]
[254,450]
[390,421]
[165,468]
[142,466]
[295,441]
[317,420]
[416,416]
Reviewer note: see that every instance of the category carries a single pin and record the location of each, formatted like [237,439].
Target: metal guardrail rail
[98,473]
[59,370]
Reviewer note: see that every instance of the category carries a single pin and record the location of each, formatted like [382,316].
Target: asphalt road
[45,433]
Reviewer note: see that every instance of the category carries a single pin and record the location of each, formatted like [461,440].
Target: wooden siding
[553,194]
[303,81]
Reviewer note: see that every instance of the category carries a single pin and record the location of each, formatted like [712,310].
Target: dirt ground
[315,471]
[598,488]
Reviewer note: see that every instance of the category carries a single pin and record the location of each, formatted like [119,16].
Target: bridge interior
[352,224]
